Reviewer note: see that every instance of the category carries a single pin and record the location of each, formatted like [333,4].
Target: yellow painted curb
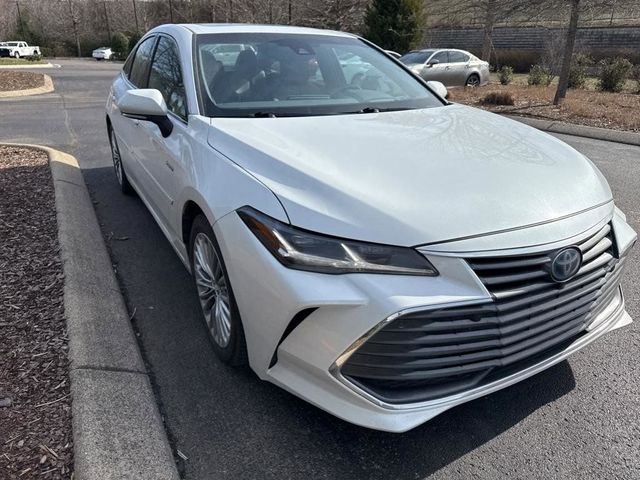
[54,155]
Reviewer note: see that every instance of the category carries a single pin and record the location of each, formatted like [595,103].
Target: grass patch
[19,61]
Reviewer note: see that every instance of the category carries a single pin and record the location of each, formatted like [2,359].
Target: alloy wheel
[473,81]
[115,154]
[212,290]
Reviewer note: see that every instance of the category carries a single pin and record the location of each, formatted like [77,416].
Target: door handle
[447,68]
[169,166]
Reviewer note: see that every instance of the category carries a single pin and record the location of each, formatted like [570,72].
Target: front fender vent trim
[297,319]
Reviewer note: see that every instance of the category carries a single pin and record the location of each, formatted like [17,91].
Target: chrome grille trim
[423,355]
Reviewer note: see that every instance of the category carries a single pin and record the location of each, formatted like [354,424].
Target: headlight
[303,250]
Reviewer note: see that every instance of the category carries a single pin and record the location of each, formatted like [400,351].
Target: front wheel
[123,181]
[216,297]
[473,80]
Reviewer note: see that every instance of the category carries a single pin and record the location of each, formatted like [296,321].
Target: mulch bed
[35,403]
[617,111]
[11,80]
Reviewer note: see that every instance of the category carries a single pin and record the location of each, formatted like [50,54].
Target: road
[577,420]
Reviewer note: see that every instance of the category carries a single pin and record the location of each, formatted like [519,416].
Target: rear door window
[458,57]
[140,66]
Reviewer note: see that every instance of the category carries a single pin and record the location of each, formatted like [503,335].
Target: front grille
[434,353]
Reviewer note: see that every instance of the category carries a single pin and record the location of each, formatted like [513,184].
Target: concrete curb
[117,428]
[629,138]
[47,88]
[33,65]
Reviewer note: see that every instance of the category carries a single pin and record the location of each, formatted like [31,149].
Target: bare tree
[488,13]
[347,15]
[74,21]
[563,82]
[578,8]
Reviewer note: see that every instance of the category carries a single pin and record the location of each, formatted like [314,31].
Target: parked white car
[18,49]
[102,53]
[370,247]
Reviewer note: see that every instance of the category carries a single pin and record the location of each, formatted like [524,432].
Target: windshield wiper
[377,110]
[263,115]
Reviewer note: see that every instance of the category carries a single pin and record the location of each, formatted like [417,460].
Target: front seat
[237,84]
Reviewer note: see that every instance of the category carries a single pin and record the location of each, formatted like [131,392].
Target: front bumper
[301,327]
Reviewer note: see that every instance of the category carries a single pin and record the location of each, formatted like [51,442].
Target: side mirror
[439,88]
[433,62]
[146,104]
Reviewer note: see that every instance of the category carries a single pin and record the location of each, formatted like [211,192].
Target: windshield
[281,74]
[416,57]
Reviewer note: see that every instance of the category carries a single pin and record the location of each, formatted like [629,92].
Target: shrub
[519,60]
[613,73]
[33,58]
[120,45]
[498,98]
[505,74]
[133,40]
[635,74]
[540,75]
[578,73]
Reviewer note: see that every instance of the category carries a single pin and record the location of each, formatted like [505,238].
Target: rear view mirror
[148,105]
[439,88]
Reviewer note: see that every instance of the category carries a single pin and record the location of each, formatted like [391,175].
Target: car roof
[437,49]
[203,28]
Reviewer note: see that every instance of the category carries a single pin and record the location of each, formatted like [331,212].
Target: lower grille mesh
[434,353]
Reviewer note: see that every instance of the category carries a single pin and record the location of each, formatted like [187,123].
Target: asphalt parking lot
[576,420]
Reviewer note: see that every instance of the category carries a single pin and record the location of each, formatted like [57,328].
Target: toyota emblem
[566,264]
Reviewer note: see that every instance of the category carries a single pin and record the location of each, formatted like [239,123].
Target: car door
[458,68]
[163,159]
[437,71]
[134,75]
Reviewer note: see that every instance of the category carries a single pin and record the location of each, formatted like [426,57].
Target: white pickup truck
[17,49]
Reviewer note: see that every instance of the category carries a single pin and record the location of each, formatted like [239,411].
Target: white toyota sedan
[357,239]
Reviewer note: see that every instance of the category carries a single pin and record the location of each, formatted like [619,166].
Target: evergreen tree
[395,24]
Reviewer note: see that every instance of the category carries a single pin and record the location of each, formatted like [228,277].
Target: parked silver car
[454,68]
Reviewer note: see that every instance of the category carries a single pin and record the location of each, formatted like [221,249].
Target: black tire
[473,80]
[235,352]
[118,167]
[16,56]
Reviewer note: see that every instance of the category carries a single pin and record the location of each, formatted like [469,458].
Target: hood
[412,177]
